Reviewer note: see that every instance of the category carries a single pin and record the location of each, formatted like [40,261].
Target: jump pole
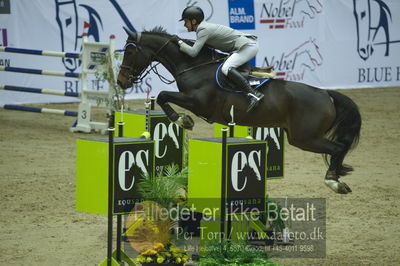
[152,102]
[39,52]
[40,72]
[223,186]
[119,216]
[149,105]
[38,90]
[232,123]
[110,260]
[38,110]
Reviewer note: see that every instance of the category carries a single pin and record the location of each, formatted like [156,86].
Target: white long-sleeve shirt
[217,36]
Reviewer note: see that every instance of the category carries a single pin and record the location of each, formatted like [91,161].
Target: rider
[242,47]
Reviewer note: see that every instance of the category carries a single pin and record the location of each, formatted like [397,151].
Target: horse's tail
[346,127]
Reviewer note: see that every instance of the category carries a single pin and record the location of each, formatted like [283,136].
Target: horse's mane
[206,51]
[158,30]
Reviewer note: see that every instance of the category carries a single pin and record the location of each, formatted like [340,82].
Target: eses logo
[168,138]
[271,134]
[246,174]
[165,136]
[244,167]
[131,166]
[131,162]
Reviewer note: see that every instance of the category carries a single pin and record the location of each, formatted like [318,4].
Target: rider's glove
[175,39]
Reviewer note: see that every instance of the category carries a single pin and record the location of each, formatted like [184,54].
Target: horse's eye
[363,14]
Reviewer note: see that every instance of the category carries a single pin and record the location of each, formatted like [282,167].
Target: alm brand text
[239,15]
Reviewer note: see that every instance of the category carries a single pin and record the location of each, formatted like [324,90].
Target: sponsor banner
[290,31]
[363,46]
[246,177]
[241,14]
[132,161]
[275,156]
[169,140]
[328,44]
[288,14]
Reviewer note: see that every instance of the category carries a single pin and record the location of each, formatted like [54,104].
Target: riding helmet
[193,12]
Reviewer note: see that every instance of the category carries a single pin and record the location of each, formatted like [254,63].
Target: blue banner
[241,14]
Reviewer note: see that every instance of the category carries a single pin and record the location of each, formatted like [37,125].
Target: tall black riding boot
[242,84]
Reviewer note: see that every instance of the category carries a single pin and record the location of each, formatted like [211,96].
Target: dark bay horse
[315,120]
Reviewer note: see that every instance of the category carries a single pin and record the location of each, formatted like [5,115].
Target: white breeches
[240,57]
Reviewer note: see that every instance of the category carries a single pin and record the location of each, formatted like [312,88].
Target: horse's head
[362,13]
[135,61]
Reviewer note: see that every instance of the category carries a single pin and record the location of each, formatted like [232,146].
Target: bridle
[139,77]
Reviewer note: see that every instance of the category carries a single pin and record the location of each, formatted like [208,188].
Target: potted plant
[149,227]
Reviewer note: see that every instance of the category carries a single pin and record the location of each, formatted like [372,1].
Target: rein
[153,68]
[200,65]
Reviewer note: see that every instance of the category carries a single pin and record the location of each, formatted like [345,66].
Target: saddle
[256,76]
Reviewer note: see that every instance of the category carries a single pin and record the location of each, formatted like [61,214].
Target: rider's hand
[175,39]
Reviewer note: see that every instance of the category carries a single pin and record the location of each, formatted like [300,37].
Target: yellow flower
[178,260]
[158,246]
[185,258]
[149,252]
[174,249]
[149,259]
[160,259]
[140,259]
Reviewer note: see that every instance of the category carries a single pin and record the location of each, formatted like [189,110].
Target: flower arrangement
[160,254]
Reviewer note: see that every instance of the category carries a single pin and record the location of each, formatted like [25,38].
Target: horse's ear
[132,35]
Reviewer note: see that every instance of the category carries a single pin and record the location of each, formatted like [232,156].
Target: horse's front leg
[180,99]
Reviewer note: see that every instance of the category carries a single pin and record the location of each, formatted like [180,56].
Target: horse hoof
[338,187]
[347,187]
[342,188]
[185,122]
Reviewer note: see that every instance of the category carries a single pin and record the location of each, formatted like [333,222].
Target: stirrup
[254,96]
[254,102]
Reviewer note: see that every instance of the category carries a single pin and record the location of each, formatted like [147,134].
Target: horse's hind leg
[325,146]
